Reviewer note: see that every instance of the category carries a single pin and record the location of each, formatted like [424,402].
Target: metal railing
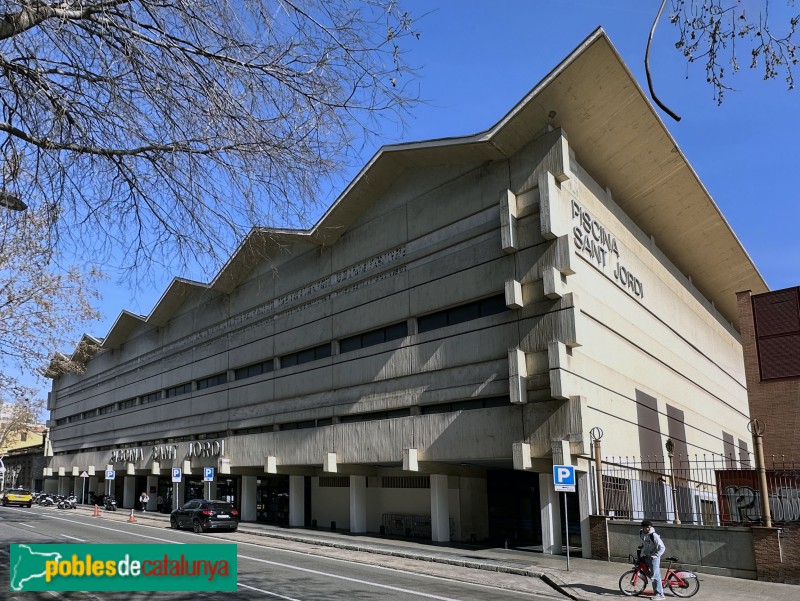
[716,490]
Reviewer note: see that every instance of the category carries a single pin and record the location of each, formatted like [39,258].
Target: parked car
[202,514]
[17,496]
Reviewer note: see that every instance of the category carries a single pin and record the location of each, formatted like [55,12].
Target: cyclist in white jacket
[652,550]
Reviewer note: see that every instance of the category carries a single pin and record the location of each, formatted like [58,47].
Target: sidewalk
[586,580]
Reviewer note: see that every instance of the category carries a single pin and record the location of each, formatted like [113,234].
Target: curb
[554,582]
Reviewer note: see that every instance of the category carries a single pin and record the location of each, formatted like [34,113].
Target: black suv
[201,515]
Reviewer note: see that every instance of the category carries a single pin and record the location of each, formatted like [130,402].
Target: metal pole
[757,429]
[566,528]
[670,447]
[597,434]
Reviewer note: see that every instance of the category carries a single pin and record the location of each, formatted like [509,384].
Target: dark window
[467,405]
[252,371]
[216,380]
[493,305]
[106,409]
[90,413]
[398,330]
[179,390]
[434,321]
[350,344]
[462,313]
[325,421]
[306,355]
[375,415]
[61,422]
[151,398]
[126,404]
[373,338]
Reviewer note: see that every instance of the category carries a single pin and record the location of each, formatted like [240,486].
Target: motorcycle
[69,502]
[46,500]
[110,503]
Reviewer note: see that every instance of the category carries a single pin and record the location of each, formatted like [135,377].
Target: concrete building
[455,324]
[770,328]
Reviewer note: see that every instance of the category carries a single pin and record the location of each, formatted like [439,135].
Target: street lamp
[670,448]
[10,201]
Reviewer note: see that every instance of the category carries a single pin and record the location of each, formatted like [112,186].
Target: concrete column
[210,489]
[358,504]
[130,496]
[248,504]
[63,484]
[50,486]
[75,489]
[551,515]
[92,486]
[297,501]
[585,502]
[152,482]
[440,509]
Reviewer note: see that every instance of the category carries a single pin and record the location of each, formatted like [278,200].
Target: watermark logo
[122,568]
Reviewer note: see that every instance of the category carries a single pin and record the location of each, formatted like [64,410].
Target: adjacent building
[457,322]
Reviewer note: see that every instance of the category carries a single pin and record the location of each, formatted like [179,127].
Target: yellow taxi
[17,496]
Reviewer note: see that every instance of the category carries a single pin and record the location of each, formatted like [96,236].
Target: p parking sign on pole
[208,476]
[176,485]
[564,481]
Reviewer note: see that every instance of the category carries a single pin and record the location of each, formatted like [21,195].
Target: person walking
[159,503]
[652,549]
[143,501]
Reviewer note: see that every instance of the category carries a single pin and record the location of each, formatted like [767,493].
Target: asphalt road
[264,572]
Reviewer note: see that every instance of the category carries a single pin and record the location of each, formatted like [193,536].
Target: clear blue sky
[477,59]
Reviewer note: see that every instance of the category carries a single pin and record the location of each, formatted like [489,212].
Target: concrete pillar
[63,484]
[130,496]
[585,501]
[248,501]
[152,484]
[440,509]
[358,504]
[75,489]
[210,490]
[551,515]
[297,501]
[50,485]
[92,486]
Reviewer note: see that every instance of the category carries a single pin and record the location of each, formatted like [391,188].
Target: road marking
[261,590]
[349,579]
[28,525]
[80,540]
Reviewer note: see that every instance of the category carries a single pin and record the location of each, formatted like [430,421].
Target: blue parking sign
[564,478]
[111,474]
[208,474]
[176,474]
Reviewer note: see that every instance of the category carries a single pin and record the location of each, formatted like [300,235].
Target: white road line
[348,579]
[261,590]
[80,540]
[28,525]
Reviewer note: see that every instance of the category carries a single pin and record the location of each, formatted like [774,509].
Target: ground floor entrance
[514,508]
[272,500]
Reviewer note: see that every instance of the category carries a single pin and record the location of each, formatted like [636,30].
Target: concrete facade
[455,325]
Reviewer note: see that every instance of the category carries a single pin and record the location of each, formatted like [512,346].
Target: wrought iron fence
[715,490]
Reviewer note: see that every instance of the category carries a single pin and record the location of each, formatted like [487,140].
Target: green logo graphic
[122,568]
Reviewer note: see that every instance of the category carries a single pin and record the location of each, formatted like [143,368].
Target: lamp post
[596,434]
[670,448]
[10,201]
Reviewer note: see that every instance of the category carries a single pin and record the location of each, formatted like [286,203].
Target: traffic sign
[564,478]
[176,474]
[208,474]
[84,474]
[110,474]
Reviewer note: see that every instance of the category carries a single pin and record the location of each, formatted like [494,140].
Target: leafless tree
[43,304]
[17,416]
[725,34]
[159,131]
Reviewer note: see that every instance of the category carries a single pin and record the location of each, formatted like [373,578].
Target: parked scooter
[46,500]
[110,503]
[69,502]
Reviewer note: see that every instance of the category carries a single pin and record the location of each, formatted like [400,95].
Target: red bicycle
[682,583]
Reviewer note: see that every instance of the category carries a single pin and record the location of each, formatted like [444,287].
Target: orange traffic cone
[132,519]
[96,512]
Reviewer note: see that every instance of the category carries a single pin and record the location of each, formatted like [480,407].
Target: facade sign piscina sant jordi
[123,568]
[596,242]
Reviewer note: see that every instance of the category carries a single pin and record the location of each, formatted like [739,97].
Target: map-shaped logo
[27,565]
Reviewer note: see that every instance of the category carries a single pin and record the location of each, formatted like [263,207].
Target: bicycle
[682,583]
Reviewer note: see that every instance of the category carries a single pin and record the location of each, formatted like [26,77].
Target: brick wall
[775,402]
[598,528]
[777,553]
